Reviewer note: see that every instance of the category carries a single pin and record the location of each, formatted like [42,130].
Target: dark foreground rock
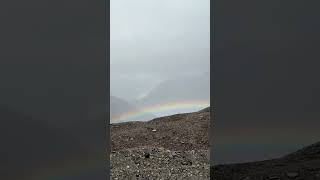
[172,147]
[301,165]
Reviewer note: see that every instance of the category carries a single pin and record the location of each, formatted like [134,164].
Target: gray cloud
[152,41]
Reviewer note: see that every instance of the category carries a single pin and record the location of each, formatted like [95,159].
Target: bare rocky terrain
[301,165]
[172,147]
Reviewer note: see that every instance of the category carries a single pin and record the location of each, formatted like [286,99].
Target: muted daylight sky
[154,40]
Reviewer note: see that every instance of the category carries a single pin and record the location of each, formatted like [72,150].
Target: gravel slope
[172,147]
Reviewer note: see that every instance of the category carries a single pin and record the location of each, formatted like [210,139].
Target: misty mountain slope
[180,89]
[170,147]
[303,164]
[35,144]
[120,107]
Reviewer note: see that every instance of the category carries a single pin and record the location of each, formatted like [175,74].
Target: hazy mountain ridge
[119,107]
[180,89]
[173,91]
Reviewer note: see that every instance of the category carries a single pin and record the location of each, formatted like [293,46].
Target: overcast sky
[155,40]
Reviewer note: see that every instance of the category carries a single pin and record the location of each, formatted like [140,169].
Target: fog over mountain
[119,107]
[183,94]
[180,91]
[193,87]
[160,52]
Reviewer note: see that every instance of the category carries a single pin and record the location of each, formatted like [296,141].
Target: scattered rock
[147,155]
[182,166]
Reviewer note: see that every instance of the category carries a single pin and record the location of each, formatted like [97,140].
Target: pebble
[154,130]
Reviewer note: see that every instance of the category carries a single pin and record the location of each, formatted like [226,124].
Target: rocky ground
[301,165]
[172,147]
[158,163]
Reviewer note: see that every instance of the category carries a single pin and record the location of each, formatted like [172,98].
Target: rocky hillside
[301,165]
[171,147]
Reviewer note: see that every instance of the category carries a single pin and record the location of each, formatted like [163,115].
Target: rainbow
[157,109]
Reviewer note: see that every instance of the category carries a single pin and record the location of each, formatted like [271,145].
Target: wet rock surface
[301,165]
[172,147]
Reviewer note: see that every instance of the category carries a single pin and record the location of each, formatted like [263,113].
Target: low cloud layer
[153,41]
